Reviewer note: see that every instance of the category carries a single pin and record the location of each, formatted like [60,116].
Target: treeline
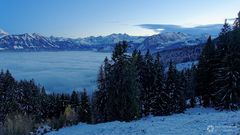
[130,87]
[25,105]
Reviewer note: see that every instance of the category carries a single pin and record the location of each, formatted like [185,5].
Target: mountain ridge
[158,42]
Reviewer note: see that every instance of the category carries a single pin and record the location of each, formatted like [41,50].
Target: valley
[56,71]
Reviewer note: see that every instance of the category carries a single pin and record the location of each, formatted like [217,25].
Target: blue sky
[81,18]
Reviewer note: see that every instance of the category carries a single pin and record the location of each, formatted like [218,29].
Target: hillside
[195,121]
[181,55]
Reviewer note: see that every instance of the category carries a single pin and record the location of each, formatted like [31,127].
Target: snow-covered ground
[195,121]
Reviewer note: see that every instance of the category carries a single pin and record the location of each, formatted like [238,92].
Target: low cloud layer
[212,29]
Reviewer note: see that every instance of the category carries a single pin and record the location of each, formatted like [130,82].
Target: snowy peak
[110,39]
[3,33]
[166,37]
[25,42]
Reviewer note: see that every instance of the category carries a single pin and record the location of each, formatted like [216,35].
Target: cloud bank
[212,29]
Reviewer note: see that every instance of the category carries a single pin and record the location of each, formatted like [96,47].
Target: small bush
[57,123]
[17,124]
[71,116]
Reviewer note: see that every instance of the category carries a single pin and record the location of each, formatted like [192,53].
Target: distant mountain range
[159,42]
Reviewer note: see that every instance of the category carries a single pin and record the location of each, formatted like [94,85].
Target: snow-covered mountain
[3,33]
[172,40]
[110,39]
[26,42]
[36,42]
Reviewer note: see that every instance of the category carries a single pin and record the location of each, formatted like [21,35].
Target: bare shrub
[17,124]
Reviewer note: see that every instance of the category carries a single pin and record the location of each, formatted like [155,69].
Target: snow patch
[193,121]
[17,47]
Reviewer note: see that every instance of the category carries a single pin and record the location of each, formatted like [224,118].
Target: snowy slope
[196,121]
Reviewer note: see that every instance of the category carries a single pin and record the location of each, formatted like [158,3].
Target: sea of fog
[56,71]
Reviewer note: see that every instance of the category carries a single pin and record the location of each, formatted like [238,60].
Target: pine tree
[224,40]
[227,88]
[227,78]
[122,88]
[85,108]
[136,64]
[190,76]
[237,22]
[147,82]
[190,84]
[175,96]
[2,97]
[180,93]
[8,92]
[138,61]
[74,101]
[100,96]
[205,72]
[158,104]
[171,88]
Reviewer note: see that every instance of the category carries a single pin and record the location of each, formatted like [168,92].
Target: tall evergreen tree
[190,84]
[8,94]
[147,82]
[171,87]
[138,61]
[85,108]
[100,97]
[205,72]
[158,103]
[227,78]
[224,40]
[123,88]
[74,101]
[174,91]
[180,94]
[136,64]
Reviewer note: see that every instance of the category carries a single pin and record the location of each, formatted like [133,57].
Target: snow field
[195,121]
